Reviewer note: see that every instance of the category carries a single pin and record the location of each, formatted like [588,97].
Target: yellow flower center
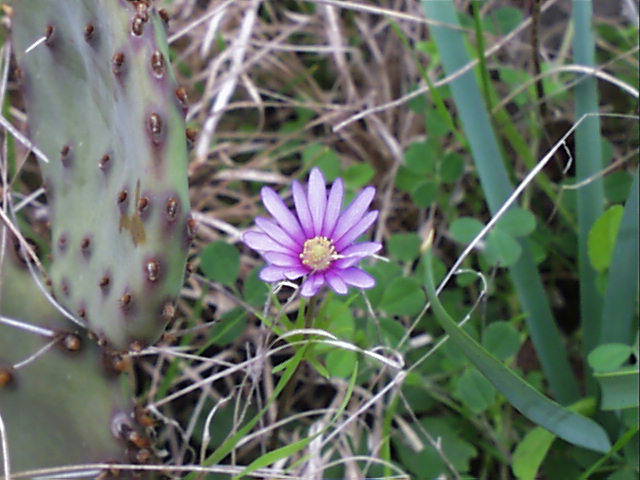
[318,253]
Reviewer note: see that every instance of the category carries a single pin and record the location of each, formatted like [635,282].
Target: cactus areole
[102,106]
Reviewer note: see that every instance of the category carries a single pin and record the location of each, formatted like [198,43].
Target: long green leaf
[566,424]
[620,298]
[588,163]
[533,448]
[497,187]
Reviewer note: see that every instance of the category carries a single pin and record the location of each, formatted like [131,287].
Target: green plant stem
[482,61]
[385,448]
[588,163]
[535,58]
[287,394]
[622,441]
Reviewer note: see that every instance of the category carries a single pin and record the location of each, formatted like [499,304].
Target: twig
[5,450]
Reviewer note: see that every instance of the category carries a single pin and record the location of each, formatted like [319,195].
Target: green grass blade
[293,448]
[620,299]
[229,444]
[568,425]
[588,163]
[275,455]
[341,409]
[497,187]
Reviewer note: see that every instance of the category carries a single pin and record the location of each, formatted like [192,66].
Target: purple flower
[317,240]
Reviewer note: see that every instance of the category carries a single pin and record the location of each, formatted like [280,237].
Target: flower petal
[302,208]
[356,277]
[334,205]
[317,199]
[335,282]
[272,273]
[363,249]
[295,272]
[272,229]
[264,243]
[282,259]
[353,213]
[354,253]
[357,230]
[311,286]
[281,213]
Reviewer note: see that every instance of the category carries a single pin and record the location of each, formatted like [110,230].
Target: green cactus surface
[104,107]
[65,404]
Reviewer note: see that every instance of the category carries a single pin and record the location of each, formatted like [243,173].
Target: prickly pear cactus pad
[103,106]
[63,405]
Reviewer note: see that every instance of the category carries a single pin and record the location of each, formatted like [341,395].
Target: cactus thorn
[191,134]
[120,425]
[20,253]
[136,346]
[181,95]
[119,364]
[125,301]
[62,243]
[65,287]
[142,9]
[89,31]
[154,124]
[49,35]
[143,417]
[152,269]
[18,74]
[143,205]
[137,25]
[192,227]
[122,197]
[118,65]
[85,246]
[104,282]
[105,161]
[168,311]
[143,456]
[157,64]
[71,342]
[164,15]
[171,208]
[6,377]
[65,156]
[138,439]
